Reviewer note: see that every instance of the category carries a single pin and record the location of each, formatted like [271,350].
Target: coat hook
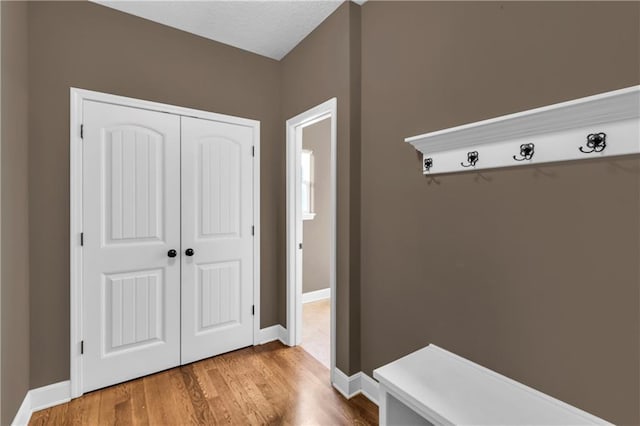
[596,142]
[428,163]
[526,152]
[472,159]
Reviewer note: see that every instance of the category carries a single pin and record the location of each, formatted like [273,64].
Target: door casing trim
[294,126]
[77,97]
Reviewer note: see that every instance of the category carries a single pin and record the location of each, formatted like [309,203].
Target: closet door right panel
[217,240]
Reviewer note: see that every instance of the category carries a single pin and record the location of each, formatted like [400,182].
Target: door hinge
[253,230]
[253,309]
[81,347]
[82,238]
[253,151]
[300,246]
[82,131]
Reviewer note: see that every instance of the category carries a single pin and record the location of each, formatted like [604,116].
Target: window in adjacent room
[307,185]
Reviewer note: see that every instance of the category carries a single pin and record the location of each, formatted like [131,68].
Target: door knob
[172,253]
[189,252]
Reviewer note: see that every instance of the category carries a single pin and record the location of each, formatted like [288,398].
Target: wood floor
[316,330]
[268,384]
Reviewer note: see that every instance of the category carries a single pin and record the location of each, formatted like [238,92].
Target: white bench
[435,387]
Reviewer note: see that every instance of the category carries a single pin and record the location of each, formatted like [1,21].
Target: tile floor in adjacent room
[316,330]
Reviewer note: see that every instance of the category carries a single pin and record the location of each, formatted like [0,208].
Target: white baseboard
[269,334]
[48,396]
[369,387]
[350,386]
[283,336]
[41,398]
[346,385]
[275,332]
[24,412]
[314,296]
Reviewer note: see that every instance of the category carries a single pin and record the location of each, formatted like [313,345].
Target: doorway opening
[311,231]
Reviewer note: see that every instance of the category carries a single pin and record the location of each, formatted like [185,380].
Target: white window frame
[311,213]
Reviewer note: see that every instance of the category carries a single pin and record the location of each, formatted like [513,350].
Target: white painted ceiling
[270,28]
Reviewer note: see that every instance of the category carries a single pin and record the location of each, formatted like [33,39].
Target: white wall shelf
[603,125]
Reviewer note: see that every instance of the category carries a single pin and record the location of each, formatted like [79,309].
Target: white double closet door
[168,245]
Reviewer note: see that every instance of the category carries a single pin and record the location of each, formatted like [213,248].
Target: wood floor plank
[123,408]
[160,407]
[309,387]
[230,372]
[250,379]
[139,415]
[269,384]
[199,409]
[226,406]
[273,392]
[108,401]
[85,410]
[40,418]
[58,415]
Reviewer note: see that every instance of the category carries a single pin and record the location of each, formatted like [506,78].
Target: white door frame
[78,96]
[0,217]
[295,126]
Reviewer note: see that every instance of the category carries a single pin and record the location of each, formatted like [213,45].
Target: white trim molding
[369,387]
[348,386]
[603,125]
[294,127]
[314,296]
[41,398]
[24,412]
[308,216]
[0,214]
[77,98]
[273,333]
[269,334]
[256,233]
[359,383]
[283,336]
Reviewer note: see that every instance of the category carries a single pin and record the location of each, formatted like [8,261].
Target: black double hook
[472,159]
[526,152]
[427,164]
[596,142]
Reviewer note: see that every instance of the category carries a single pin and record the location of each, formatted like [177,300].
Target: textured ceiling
[270,28]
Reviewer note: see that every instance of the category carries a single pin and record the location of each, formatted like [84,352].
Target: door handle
[172,253]
[189,252]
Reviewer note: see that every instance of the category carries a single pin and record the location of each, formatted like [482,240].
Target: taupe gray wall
[14,214]
[80,44]
[532,272]
[322,66]
[317,231]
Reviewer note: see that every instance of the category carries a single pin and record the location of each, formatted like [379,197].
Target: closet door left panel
[131,225]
